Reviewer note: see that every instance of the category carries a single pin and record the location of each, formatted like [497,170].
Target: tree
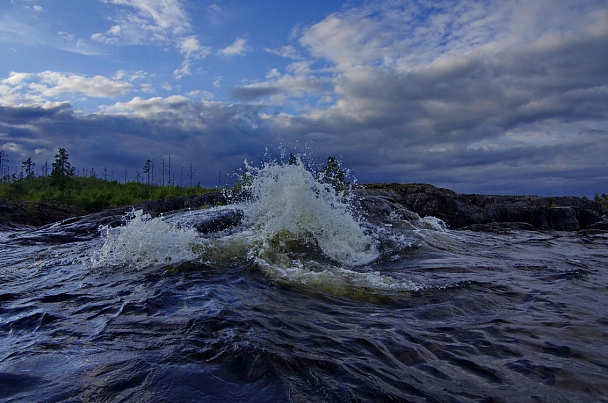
[63,172]
[4,165]
[169,172]
[45,169]
[191,174]
[149,171]
[292,159]
[333,174]
[28,165]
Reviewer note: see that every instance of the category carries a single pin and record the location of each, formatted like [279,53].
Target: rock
[35,214]
[468,210]
[392,204]
[600,225]
[383,208]
[502,227]
[222,221]
[564,219]
[86,227]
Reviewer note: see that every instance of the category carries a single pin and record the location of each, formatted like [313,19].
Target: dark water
[494,317]
[302,302]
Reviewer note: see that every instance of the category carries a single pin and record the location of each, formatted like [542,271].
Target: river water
[303,302]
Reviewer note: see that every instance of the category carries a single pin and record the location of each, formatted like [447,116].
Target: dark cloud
[217,142]
[12,115]
[252,93]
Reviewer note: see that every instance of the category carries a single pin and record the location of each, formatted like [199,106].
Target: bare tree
[3,165]
[191,175]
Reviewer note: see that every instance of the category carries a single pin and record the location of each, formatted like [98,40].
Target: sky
[477,96]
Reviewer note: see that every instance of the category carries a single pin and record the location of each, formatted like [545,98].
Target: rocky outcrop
[14,214]
[33,214]
[475,211]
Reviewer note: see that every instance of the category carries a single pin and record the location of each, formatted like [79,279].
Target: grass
[91,194]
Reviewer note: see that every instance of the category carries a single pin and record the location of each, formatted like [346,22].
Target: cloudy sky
[488,96]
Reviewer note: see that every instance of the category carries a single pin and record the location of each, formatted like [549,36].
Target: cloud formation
[476,96]
[48,86]
[237,48]
[161,22]
[475,90]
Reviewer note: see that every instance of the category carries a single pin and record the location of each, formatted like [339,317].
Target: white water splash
[290,206]
[295,229]
[145,242]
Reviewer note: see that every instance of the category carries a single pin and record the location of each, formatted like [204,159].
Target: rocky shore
[488,213]
[380,203]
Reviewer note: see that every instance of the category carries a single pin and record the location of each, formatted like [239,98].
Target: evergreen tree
[333,174]
[63,172]
[149,171]
[28,165]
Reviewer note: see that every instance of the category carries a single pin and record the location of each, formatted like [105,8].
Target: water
[303,301]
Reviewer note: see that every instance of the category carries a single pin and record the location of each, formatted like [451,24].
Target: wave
[293,228]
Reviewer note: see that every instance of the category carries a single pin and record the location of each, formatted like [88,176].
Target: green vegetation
[603,200]
[90,194]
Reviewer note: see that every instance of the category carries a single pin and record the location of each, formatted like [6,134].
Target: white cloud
[299,81]
[148,107]
[286,51]
[192,50]
[237,48]
[13,147]
[151,19]
[38,88]
[159,22]
[111,36]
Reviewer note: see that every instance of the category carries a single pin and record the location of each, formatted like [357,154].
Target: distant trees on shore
[62,185]
[168,175]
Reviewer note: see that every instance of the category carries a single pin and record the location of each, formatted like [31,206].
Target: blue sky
[486,96]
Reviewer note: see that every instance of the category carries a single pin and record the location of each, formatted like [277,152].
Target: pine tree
[333,174]
[149,171]
[28,165]
[63,172]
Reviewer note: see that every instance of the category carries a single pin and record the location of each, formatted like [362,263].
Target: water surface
[305,305]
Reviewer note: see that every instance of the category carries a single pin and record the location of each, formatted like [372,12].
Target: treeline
[166,175]
[62,186]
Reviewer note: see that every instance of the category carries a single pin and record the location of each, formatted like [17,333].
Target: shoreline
[459,211]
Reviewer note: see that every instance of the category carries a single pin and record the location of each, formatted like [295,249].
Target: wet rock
[600,225]
[502,227]
[394,204]
[564,219]
[35,214]
[221,221]
[86,227]
[468,210]
[384,207]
